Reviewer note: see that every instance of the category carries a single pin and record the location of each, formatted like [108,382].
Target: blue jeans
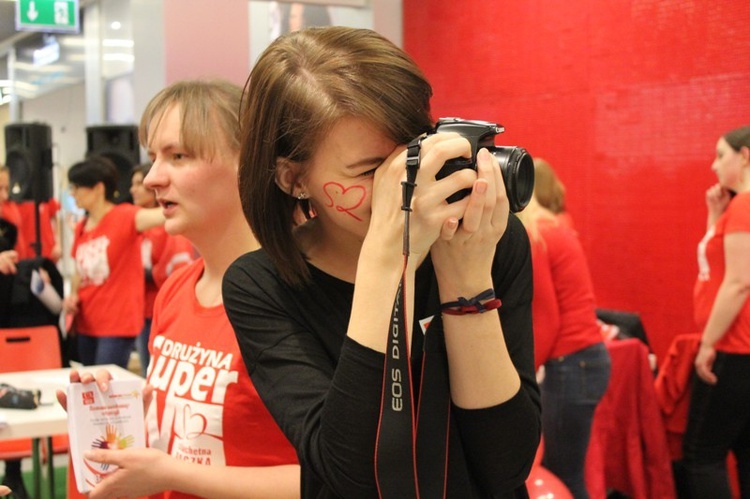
[719,421]
[141,345]
[573,386]
[94,350]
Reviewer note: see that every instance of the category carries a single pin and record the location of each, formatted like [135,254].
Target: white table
[49,418]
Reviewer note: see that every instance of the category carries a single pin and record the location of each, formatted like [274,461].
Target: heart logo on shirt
[193,424]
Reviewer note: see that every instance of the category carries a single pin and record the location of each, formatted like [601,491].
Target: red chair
[27,349]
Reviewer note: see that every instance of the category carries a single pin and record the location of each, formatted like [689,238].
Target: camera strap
[413,158]
[395,445]
[411,449]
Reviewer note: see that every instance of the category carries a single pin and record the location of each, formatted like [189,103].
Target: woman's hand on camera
[429,208]
[432,216]
[465,250]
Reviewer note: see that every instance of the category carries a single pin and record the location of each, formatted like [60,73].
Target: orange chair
[27,349]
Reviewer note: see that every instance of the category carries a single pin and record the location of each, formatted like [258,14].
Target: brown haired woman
[327,116]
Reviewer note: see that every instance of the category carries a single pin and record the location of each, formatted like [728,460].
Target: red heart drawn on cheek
[345,199]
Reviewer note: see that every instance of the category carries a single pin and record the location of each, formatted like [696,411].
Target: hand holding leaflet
[103,420]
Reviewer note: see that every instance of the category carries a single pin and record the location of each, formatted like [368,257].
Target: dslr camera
[516,164]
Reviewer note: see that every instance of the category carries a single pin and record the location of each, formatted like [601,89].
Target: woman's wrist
[704,343]
[452,287]
[483,302]
[379,254]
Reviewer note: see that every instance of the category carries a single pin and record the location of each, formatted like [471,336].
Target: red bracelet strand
[474,305]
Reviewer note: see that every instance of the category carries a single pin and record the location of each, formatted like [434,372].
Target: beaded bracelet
[474,305]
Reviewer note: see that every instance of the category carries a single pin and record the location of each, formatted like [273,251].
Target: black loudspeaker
[120,144]
[28,148]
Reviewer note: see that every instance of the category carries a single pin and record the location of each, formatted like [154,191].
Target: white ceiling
[33,79]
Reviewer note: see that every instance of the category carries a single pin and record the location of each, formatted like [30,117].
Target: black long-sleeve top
[324,389]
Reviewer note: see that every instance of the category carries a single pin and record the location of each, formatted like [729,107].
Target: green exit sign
[47,15]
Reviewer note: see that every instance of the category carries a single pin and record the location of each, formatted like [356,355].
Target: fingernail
[485,154]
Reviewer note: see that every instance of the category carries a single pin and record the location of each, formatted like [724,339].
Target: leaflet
[97,420]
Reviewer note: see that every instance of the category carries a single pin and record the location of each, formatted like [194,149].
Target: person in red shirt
[8,260]
[208,432]
[107,290]
[11,223]
[719,413]
[161,254]
[567,340]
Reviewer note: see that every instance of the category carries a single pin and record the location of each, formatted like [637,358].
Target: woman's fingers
[488,202]
[474,213]
[62,399]
[449,229]
[439,148]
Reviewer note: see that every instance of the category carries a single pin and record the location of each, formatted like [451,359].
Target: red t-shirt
[568,271]
[47,211]
[545,311]
[205,407]
[711,268]
[162,254]
[108,263]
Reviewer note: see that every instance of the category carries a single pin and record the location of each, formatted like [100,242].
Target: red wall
[626,99]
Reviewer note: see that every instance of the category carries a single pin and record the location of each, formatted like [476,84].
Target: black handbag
[15,398]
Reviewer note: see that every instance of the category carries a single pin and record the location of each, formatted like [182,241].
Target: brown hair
[548,189]
[142,168]
[201,102]
[738,138]
[301,85]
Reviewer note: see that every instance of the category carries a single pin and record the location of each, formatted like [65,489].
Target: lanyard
[411,449]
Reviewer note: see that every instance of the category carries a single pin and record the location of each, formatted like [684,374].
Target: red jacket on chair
[628,450]
[673,384]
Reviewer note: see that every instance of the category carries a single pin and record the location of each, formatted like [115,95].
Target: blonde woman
[567,340]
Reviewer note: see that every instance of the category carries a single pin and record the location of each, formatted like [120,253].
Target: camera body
[516,165]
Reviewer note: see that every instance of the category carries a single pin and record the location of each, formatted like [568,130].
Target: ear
[288,176]
[745,152]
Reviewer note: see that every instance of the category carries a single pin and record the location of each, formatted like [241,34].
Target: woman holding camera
[326,117]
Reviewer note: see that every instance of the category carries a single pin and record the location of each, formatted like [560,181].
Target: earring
[301,196]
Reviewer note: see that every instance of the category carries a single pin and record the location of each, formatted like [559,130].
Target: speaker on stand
[119,143]
[28,148]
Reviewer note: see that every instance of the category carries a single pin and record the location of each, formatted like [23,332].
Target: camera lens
[517,168]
